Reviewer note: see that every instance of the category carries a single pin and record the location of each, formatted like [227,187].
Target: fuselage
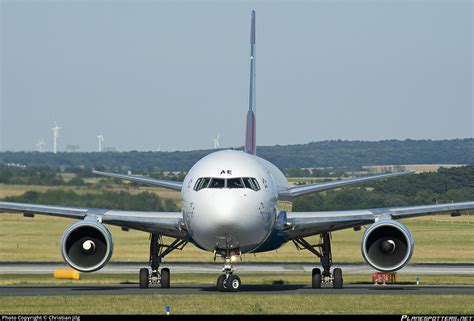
[229,201]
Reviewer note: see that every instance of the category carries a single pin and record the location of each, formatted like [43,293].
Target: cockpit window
[201,183]
[251,183]
[235,183]
[217,183]
[254,180]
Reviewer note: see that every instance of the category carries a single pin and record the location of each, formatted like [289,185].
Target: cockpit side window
[255,182]
[196,185]
[201,183]
[251,183]
[235,183]
[217,183]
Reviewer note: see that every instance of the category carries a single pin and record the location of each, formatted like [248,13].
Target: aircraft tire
[144,278]
[221,283]
[233,283]
[165,278]
[337,278]
[316,279]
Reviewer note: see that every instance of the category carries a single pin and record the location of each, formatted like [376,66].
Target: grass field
[240,303]
[38,239]
[15,190]
[229,303]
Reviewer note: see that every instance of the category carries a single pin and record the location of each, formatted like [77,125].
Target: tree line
[333,153]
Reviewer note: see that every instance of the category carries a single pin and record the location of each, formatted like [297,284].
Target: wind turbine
[101,140]
[55,137]
[40,145]
[216,141]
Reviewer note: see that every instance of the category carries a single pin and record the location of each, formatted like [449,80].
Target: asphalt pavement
[133,289]
[241,268]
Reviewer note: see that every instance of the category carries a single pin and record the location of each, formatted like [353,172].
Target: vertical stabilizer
[250,138]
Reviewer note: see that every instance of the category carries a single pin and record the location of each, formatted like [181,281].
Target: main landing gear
[323,251]
[158,250]
[228,282]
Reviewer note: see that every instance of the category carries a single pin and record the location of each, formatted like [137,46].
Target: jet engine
[87,246]
[387,245]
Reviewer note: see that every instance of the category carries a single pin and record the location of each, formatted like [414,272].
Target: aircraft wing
[144,180]
[303,224]
[164,223]
[311,188]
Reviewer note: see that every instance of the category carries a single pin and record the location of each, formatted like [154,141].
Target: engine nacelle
[87,246]
[387,245]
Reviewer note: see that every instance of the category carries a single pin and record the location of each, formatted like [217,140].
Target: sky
[172,75]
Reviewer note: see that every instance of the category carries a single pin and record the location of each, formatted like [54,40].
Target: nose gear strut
[228,282]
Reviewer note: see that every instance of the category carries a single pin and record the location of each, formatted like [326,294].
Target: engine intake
[387,245]
[87,246]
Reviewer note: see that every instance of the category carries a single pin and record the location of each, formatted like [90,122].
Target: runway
[132,289]
[241,268]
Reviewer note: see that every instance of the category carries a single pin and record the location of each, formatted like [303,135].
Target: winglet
[250,134]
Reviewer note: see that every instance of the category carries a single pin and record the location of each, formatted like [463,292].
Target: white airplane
[230,207]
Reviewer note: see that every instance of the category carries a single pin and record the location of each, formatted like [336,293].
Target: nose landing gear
[228,282]
[323,251]
[158,250]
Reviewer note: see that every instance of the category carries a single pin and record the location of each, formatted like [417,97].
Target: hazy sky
[174,74]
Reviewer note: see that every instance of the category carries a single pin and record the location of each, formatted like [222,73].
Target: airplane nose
[228,220]
[226,213]
[227,227]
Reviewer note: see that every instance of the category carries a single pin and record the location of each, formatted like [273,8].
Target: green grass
[209,279]
[240,304]
[163,193]
[25,239]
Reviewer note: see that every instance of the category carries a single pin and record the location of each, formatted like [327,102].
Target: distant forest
[335,153]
